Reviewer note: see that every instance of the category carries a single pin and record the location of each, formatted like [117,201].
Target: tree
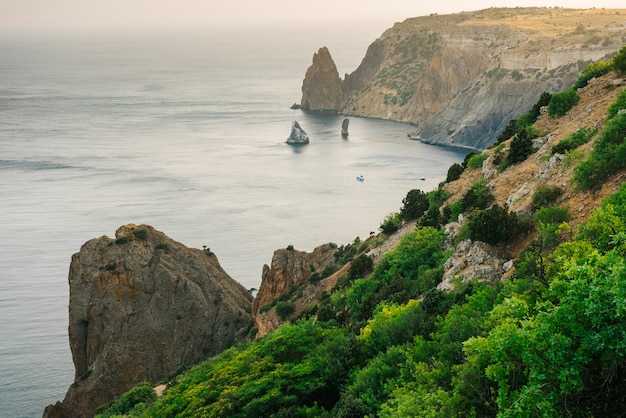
[414,204]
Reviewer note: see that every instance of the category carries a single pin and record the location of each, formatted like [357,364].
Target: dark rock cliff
[141,307]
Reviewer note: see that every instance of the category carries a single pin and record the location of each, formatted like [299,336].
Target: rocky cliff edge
[141,307]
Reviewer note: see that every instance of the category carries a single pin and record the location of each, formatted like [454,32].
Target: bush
[478,197]
[142,393]
[284,309]
[595,69]
[477,161]
[494,225]
[391,223]
[468,156]
[619,61]
[574,140]
[454,172]
[360,267]
[545,195]
[521,148]
[608,155]
[553,215]
[619,104]
[561,102]
[414,204]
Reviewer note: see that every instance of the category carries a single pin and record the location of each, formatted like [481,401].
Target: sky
[44,16]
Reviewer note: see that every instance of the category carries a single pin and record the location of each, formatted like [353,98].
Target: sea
[184,131]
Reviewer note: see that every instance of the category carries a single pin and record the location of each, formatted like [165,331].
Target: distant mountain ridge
[461,78]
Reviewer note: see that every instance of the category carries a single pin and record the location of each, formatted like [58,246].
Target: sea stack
[322,87]
[297,136]
[344,128]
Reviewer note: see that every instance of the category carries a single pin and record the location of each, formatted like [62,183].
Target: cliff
[289,269]
[141,307]
[461,78]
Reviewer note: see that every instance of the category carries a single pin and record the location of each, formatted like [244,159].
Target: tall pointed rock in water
[297,135]
[322,87]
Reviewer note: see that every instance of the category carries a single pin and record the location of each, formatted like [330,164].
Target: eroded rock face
[460,78]
[322,87]
[472,260]
[289,267]
[142,306]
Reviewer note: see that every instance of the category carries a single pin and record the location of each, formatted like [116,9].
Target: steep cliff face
[142,306]
[461,78]
[290,268]
[322,87]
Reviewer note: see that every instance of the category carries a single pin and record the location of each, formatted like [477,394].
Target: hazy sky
[68,15]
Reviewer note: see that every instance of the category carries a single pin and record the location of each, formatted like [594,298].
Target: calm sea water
[185,133]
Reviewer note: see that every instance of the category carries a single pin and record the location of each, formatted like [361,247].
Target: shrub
[561,102]
[553,215]
[360,267]
[142,393]
[521,148]
[414,204]
[454,172]
[141,234]
[608,155]
[619,61]
[468,156]
[391,223]
[574,140]
[619,104]
[545,195]
[478,197]
[477,161]
[595,69]
[123,239]
[284,309]
[494,225]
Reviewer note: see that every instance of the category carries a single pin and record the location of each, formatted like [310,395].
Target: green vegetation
[385,342]
[574,140]
[391,223]
[607,157]
[477,160]
[595,69]
[548,342]
[545,195]
[562,102]
[619,61]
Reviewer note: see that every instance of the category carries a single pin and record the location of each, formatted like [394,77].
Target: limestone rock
[289,268]
[322,87]
[461,78]
[297,135]
[344,127]
[142,306]
[472,260]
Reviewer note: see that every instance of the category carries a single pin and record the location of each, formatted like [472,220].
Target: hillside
[460,78]
[501,293]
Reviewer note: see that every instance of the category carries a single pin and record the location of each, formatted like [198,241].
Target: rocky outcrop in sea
[141,307]
[322,87]
[297,135]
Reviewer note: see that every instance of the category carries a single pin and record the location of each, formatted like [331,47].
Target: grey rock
[297,135]
[344,127]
